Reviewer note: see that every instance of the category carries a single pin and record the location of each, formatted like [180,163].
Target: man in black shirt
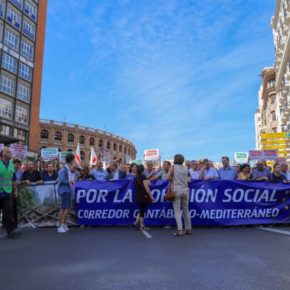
[50,174]
[31,175]
[277,177]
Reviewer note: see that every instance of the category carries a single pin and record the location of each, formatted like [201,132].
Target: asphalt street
[124,258]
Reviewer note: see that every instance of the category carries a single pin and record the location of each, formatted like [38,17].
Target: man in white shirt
[194,171]
[208,172]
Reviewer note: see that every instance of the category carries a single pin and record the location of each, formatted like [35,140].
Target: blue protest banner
[211,203]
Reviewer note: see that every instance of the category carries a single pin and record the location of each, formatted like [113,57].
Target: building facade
[273,113]
[65,137]
[281,34]
[22,30]
[265,117]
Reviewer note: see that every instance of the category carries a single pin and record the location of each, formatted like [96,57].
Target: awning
[6,140]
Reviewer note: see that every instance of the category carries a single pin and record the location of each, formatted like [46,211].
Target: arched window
[108,145]
[92,141]
[125,150]
[70,137]
[82,155]
[82,139]
[57,136]
[120,148]
[115,146]
[44,134]
[101,143]
[271,83]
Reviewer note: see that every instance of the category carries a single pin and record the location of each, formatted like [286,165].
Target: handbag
[147,198]
[170,194]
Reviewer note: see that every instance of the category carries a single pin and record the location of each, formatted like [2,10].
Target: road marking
[276,231]
[146,234]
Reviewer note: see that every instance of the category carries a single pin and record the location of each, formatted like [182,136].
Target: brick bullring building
[65,137]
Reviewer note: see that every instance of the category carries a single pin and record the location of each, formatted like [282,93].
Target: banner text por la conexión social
[217,202]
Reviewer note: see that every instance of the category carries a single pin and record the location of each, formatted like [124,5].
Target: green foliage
[25,197]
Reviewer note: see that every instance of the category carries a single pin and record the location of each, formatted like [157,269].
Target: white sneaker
[61,230]
[66,228]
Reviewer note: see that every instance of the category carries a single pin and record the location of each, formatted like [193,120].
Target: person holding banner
[261,173]
[150,172]
[65,184]
[227,172]
[284,171]
[194,171]
[115,173]
[99,173]
[132,171]
[207,172]
[277,176]
[143,196]
[178,175]
[245,173]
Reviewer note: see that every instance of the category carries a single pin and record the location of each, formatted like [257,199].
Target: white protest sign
[18,150]
[151,154]
[241,157]
[49,153]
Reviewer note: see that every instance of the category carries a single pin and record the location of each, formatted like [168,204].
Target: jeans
[182,199]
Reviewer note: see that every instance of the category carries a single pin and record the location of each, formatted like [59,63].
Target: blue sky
[178,75]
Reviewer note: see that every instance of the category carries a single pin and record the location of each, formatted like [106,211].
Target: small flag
[93,158]
[78,155]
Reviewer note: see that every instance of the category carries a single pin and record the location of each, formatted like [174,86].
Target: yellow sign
[282,152]
[266,142]
[271,147]
[279,135]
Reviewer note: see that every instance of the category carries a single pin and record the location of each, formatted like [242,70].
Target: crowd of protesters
[13,173]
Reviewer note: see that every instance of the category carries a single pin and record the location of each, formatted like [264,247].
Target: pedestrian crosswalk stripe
[146,234]
[276,231]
